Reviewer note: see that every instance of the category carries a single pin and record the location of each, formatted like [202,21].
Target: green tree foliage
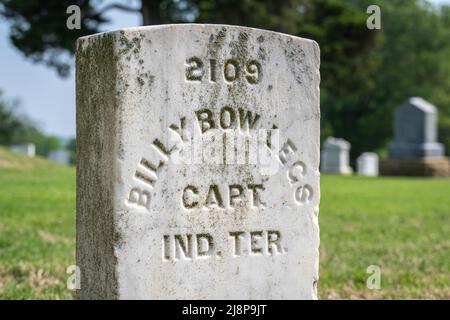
[38,29]
[46,143]
[412,59]
[8,122]
[14,128]
[19,129]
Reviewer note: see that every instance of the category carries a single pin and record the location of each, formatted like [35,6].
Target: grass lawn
[37,228]
[401,225]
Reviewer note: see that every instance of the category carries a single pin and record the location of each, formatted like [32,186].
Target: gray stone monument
[367,164]
[197,164]
[415,131]
[415,150]
[335,156]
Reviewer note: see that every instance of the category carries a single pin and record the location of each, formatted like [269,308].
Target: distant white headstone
[28,149]
[61,156]
[197,170]
[367,164]
[335,156]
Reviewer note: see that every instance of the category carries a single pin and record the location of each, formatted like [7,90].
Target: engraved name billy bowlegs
[269,153]
[185,247]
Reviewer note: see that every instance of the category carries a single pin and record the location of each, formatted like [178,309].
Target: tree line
[17,128]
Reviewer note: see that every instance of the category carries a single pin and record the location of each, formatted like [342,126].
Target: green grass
[401,225]
[37,228]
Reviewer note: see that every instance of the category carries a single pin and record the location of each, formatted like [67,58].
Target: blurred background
[399,224]
[365,73]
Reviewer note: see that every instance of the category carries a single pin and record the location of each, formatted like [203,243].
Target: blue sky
[44,96]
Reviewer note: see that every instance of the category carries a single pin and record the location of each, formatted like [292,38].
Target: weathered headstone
[197,168]
[367,164]
[415,150]
[335,156]
[28,149]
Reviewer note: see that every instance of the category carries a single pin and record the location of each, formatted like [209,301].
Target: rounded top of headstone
[368,155]
[332,142]
[419,104]
[195,27]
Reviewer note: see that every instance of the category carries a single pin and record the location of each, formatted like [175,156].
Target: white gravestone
[335,156]
[197,169]
[367,164]
[28,149]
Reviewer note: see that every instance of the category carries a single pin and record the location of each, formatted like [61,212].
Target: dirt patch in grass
[40,279]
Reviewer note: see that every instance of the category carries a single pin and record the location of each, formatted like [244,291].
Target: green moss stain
[295,57]
[96,58]
[140,81]
[216,41]
[262,54]
[97,117]
[151,80]
[130,47]
[239,48]
[214,50]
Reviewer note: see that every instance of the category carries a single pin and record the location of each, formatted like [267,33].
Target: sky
[43,95]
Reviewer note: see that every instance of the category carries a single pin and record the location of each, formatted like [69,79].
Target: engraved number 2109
[231,70]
